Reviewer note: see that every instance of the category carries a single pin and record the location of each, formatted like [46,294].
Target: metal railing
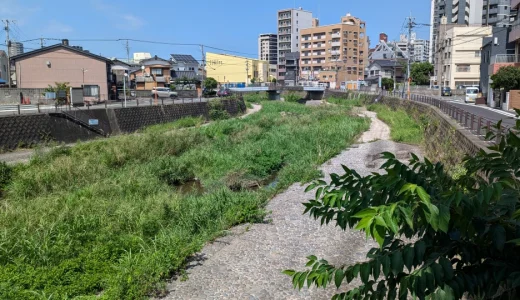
[476,124]
[506,58]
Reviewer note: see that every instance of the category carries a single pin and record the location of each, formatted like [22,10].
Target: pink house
[63,63]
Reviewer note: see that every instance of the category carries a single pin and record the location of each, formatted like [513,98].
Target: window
[477,53]
[463,68]
[91,90]
[157,71]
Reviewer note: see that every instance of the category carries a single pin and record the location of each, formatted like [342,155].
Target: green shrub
[217,111]
[101,219]
[440,236]
[6,174]
[292,97]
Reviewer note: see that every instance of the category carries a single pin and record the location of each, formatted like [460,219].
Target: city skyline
[102,23]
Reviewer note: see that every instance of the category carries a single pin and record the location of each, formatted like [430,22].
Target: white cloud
[130,22]
[125,21]
[56,27]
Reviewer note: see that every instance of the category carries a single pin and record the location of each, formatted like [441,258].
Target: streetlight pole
[124,86]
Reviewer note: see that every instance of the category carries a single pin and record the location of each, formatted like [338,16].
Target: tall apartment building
[16,48]
[268,47]
[497,12]
[334,53]
[464,12]
[421,50]
[458,54]
[290,24]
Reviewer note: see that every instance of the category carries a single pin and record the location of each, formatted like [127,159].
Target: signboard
[93,122]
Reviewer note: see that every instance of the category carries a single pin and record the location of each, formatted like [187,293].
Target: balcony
[335,52]
[284,16]
[505,58]
[336,35]
[335,44]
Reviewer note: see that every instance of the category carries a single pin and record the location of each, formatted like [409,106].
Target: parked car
[163,92]
[446,91]
[471,94]
[224,93]
[209,93]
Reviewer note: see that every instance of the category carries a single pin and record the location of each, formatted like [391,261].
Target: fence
[21,109]
[476,124]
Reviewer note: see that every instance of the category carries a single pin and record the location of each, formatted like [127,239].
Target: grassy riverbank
[106,218]
[403,127]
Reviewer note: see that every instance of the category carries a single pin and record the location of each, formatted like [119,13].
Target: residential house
[118,71]
[235,70]
[497,52]
[385,69]
[184,66]
[153,72]
[63,63]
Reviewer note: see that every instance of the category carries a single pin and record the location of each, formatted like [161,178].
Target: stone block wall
[514,99]
[12,96]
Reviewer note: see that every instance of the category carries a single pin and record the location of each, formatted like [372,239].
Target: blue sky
[228,24]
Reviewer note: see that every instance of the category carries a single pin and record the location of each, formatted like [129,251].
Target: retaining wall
[29,130]
[12,96]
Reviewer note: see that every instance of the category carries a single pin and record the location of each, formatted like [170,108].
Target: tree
[273,80]
[59,86]
[420,72]
[507,78]
[210,83]
[465,230]
[253,80]
[387,83]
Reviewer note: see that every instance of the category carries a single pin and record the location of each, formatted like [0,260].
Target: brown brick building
[334,54]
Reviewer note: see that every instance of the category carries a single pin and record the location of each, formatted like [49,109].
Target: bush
[465,229]
[292,97]
[217,111]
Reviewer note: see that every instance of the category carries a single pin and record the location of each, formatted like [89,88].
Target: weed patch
[403,128]
[107,217]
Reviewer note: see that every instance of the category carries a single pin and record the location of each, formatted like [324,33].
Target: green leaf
[385,261]
[515,241]
[369,212]
[397,262]
[289,272]
[364,223]
[376,268]
[444,218]
[379,235]
[311,187]
[407,214]
[301,280]
[408,255]
[447,267]
[408,187]
[437,273]
[338,277]
[390,222]
[423,195]
[499,237]
[365,272]
[420,249]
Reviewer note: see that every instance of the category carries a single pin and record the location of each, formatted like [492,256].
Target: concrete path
[248,263]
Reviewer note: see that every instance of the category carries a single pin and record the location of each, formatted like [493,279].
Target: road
[495,115]
[9,110]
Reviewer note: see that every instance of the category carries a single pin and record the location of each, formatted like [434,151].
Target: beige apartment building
[334,54]
[457,55]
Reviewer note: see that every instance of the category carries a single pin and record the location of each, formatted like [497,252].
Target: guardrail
[476,124]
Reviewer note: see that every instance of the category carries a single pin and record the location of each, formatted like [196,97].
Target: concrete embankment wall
[30,130]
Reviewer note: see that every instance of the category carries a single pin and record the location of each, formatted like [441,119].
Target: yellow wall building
[236,69]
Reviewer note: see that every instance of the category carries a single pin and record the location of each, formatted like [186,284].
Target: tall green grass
[105,218]
[403,128]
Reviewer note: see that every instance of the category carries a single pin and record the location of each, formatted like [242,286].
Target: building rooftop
[183,58]
[57,46]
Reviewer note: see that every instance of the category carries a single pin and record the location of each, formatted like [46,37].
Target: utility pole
[247,71]
[41,42]
[203,70]
[8,43]
[411,25]
[127,52]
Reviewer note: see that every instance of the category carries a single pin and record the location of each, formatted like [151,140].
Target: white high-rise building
[290,22]
[268,48]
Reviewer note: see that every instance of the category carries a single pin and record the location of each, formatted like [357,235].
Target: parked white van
[471,94]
